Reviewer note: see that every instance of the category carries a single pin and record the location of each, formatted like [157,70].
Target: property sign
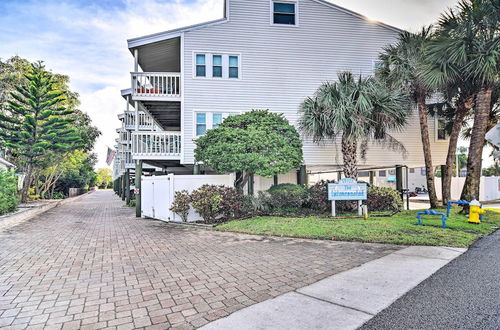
[347,190]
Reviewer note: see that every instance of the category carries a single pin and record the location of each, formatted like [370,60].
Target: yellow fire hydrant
[475,211]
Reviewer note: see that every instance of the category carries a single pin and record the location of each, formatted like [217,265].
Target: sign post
[347,190]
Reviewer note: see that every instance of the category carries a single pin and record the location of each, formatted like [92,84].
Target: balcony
[156,145]
[123,136]
[160,86]
[146,122]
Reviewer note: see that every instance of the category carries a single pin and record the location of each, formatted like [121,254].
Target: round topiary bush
[287,196]
[384,199]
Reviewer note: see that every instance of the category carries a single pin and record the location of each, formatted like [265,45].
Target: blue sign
[347,190]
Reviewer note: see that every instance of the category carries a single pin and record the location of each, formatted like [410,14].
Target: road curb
[345,300]
[7,221]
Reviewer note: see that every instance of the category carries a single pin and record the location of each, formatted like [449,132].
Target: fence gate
[147,198]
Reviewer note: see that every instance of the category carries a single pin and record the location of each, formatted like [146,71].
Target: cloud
[86,40]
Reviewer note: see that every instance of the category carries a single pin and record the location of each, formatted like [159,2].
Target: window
[201,67]
[201,124]
[441,129]
[284,13]
[217,66]
[207,120]
[233,66]
[216,120]
[363,174]
[381,173]
[422,171]
[412,170]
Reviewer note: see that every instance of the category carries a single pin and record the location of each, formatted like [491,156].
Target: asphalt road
[465,294]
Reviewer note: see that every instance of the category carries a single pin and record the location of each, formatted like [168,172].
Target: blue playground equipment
[431,212]
[461,203]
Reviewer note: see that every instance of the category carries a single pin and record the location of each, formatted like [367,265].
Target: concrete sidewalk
[345,300]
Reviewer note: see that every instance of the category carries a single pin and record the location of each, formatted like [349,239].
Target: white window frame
[437,118]
[196,65]
[209,118]
[271,12]
[225,65]
[221,66]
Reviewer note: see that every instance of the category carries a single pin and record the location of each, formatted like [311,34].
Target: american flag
[111,155]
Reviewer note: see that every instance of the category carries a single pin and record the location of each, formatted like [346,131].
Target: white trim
[209,65]
[436,130]
[209,118]
[271,12]
[175,33]
[182,97]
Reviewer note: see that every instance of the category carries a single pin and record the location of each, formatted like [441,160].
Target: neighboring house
[263,54]
[6,165]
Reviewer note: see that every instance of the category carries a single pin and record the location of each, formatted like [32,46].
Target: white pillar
[136,60]
[136,106]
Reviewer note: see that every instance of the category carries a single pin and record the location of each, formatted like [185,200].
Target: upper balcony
[156,86]
[156,145]
[146,122]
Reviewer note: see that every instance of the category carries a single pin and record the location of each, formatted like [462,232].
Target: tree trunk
[350,157]
[426,145]
[474,161]
[446,175]
[27,182]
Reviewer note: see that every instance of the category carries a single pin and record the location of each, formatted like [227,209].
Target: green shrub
[181,204]
[287,196]
[256,205]
[318,196]
[211,202]
[9,199]
[384,199]
[232,202]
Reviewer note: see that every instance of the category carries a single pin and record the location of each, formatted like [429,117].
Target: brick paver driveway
[91,264]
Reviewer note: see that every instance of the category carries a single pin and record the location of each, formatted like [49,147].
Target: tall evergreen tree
[36,122]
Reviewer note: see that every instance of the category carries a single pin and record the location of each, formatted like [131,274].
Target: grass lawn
[401,228]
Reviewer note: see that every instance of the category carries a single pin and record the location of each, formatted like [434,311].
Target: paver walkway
[91,264]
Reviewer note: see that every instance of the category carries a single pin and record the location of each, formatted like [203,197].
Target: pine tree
[36,122]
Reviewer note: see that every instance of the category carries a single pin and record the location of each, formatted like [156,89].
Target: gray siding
[282,65]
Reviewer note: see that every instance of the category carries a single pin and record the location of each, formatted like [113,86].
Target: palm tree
[358,110]
[464,55]
[401,67]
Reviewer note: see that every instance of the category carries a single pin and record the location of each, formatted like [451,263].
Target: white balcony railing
[123,136]
[156,84]
[146,122]
[156,145]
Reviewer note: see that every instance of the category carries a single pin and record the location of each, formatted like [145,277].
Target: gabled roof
[156,37]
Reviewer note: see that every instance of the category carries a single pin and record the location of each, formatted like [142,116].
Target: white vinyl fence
[489,188]
[158,193]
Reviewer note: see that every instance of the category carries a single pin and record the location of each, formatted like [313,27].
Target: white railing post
[156,84]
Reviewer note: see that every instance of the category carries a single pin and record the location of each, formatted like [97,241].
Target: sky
[86,40]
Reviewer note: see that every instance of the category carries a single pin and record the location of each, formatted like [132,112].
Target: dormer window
[284,12]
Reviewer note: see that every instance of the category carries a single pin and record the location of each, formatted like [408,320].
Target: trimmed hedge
[9,199]
[287,196]
[384,199]
[379,199]
[212,202]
